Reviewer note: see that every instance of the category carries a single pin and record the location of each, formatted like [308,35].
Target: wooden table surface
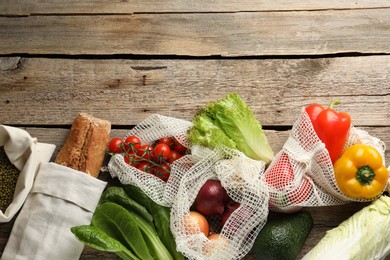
[125,60]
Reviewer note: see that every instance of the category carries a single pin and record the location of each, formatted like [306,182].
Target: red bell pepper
[332,127]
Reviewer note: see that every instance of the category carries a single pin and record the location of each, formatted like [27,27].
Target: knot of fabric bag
[296,152]
[17,144]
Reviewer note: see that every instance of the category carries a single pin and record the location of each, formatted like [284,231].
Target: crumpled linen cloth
[59,199]
[26,153]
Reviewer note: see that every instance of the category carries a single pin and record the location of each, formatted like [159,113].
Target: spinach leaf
[118,223]
[119,196]
[99,240]
[156,246]
[161,218]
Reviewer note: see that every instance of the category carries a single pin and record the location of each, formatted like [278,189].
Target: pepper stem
[333,103]
[365,175]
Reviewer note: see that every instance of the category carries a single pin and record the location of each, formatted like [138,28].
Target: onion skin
[194,221]
[211,199]
[230,207]
[216,243]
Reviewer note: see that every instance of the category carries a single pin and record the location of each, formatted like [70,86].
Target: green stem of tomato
[140,158]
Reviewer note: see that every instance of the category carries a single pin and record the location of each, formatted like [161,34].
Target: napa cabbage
[365,235]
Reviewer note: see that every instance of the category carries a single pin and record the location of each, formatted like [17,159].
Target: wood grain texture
[201,34]
[268,45]
[19,7]
[40,91]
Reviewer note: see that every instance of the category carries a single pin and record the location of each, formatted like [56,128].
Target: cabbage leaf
[365,235]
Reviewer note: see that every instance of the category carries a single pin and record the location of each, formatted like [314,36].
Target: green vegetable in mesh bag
[230,122]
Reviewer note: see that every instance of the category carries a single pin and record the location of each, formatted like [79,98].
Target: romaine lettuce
[230,122]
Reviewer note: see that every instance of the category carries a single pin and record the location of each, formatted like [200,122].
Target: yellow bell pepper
[360,173]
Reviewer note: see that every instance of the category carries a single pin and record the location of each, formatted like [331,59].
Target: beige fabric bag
[60,199]
[26,153]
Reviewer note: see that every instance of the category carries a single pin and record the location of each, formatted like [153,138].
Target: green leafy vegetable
[230,122]
[161,218]
[119,224]
[156,247]
[126,218]
[365,235]
[118,195]
[206,133]
[99,240]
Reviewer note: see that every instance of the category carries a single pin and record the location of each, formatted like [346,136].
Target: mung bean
[8,177]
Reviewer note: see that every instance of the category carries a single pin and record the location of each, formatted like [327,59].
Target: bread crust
[85,147]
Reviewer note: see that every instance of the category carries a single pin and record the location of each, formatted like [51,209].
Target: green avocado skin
[283,236]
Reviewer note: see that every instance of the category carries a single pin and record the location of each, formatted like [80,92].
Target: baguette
[85,147]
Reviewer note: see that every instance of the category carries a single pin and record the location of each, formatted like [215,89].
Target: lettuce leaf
[230,122]
[205,132]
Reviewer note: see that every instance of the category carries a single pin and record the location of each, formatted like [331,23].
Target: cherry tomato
[163,171]
[178,146]
[132,143]
[161,152]
[174,156]
[132,160]
[146,167]
[115,145]
[165,140]
[145,151]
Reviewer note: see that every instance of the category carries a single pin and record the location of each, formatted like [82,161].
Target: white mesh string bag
[241,178]
[302,175]
[149,130]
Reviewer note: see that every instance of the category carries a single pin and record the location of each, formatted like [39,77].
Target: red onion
[230,207]
[211,199]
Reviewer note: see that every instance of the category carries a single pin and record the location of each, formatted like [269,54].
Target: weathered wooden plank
[127,91]
[18,7]
[225,34]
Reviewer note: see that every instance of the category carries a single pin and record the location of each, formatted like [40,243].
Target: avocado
[283,236]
